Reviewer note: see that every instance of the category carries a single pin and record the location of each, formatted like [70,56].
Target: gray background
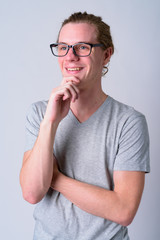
[29,72]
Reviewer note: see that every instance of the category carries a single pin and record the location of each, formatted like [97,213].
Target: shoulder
[36,111]
[38,107]
[123,111]
[125,119]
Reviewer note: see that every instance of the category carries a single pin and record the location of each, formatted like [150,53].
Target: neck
[87,103]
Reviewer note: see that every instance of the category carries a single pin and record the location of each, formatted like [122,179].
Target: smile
[74,69]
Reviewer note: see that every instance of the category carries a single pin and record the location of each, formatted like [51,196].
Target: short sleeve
[34,117]
[133,149]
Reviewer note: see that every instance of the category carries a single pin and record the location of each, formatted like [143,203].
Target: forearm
[37,169]
[92,199]
[118,206]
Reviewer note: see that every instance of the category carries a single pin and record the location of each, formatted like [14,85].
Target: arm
[37,168]
[119,205]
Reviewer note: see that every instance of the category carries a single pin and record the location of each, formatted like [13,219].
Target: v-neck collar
[101,107]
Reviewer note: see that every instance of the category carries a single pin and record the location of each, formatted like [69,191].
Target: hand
[60,99]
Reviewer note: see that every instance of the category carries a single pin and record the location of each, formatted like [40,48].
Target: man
[86,154]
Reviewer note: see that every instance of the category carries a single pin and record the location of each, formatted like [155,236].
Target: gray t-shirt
[115,137]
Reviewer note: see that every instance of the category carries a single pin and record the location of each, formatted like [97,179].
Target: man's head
[102,29]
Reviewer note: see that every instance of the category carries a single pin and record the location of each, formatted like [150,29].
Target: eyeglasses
[79,49]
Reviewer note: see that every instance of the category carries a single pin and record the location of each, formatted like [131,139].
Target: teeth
[73,69]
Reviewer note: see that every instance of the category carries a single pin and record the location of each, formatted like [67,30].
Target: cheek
[90,64]
[60,63]
[93,65]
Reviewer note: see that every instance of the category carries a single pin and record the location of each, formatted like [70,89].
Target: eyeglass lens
[81,49]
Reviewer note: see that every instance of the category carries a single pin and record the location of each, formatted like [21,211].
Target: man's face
[87,69]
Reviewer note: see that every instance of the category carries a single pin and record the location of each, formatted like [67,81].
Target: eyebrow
[73,43]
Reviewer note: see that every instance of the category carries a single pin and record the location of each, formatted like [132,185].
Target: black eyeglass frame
[72,46]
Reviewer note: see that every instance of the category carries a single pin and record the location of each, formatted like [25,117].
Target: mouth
[74,69]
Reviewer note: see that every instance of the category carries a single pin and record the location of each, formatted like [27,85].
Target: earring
[105,67]
[108,64]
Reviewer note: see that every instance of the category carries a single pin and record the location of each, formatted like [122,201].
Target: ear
[107,55]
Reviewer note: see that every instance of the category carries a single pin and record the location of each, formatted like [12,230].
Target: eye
[62,47]
[82,47]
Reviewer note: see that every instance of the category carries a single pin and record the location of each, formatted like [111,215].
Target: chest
[87,152]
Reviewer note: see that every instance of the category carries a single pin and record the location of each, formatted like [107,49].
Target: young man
[86,154]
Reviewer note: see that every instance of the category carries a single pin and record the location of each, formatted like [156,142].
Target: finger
[62,93]
[74,91]
[67,94]
[71,79]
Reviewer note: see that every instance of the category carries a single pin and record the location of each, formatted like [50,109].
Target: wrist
[57,181]
[47,124]
[48,130]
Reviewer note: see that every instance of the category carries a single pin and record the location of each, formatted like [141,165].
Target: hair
[103,30]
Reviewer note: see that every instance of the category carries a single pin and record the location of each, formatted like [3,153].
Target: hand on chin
[69,78]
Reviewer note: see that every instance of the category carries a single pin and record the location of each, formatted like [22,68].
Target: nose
[71,55]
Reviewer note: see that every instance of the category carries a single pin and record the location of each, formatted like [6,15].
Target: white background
[28,72]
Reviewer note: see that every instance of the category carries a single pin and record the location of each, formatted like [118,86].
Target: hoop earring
[107,66]
[107,69]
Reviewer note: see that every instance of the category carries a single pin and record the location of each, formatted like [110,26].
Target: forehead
[78,32]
